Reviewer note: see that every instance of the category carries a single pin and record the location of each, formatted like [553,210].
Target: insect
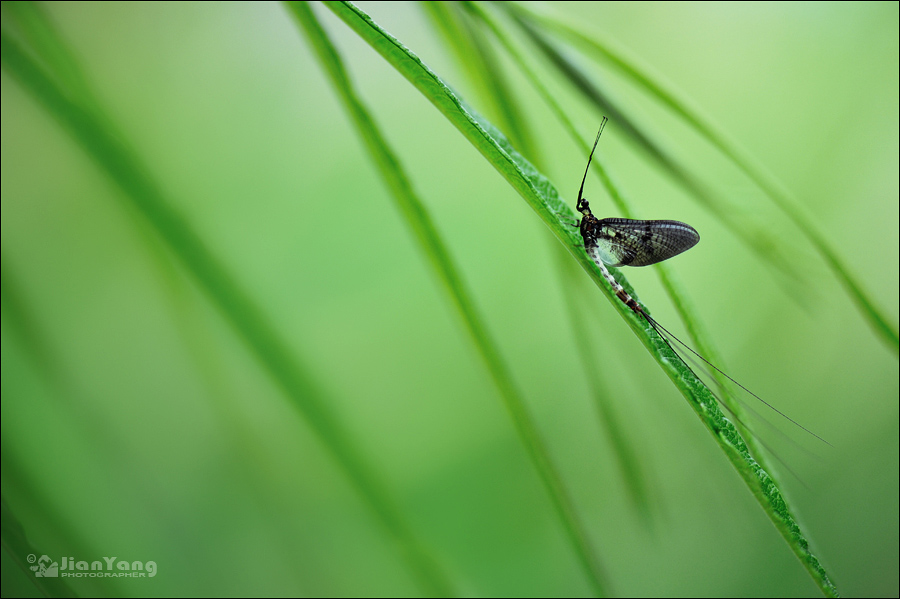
[627,242]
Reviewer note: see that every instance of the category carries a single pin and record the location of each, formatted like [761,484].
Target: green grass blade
[620,436]
[626,455]
[476,57]
[603,49]
[686,312]
[21,322]
[537,191]
[429,240]
[118,161]
[17,546]
[758,239]
[36,33]
[530,184]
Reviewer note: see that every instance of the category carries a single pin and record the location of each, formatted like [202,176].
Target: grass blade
[118,161]
[626,454]
[686,312]
[594,43]
[17,546]
[433,247]
[537,191]
[760,241]
[476,57]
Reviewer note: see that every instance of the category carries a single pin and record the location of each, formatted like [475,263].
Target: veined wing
[627,242]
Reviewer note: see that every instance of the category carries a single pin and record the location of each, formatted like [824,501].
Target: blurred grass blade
[38,36]
[22,324]
[429,240]
[625,453]
[537,191]
[683,307]
[620,435]
[603,49]
[17,546]
[476,56]
[119,162]
[759,240]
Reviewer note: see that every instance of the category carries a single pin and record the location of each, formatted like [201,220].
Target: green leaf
[113,155]
[544,199]
[757,238]
[605,51]
[19,549]
[434,248]
[625,453]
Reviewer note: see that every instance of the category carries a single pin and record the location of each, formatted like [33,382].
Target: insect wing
[610,252]
[643,242]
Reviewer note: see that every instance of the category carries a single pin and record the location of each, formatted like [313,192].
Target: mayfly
[627,242]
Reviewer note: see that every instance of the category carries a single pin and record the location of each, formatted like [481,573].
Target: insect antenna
[582,203]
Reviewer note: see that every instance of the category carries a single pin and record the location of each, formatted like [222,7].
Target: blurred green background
[135,422]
